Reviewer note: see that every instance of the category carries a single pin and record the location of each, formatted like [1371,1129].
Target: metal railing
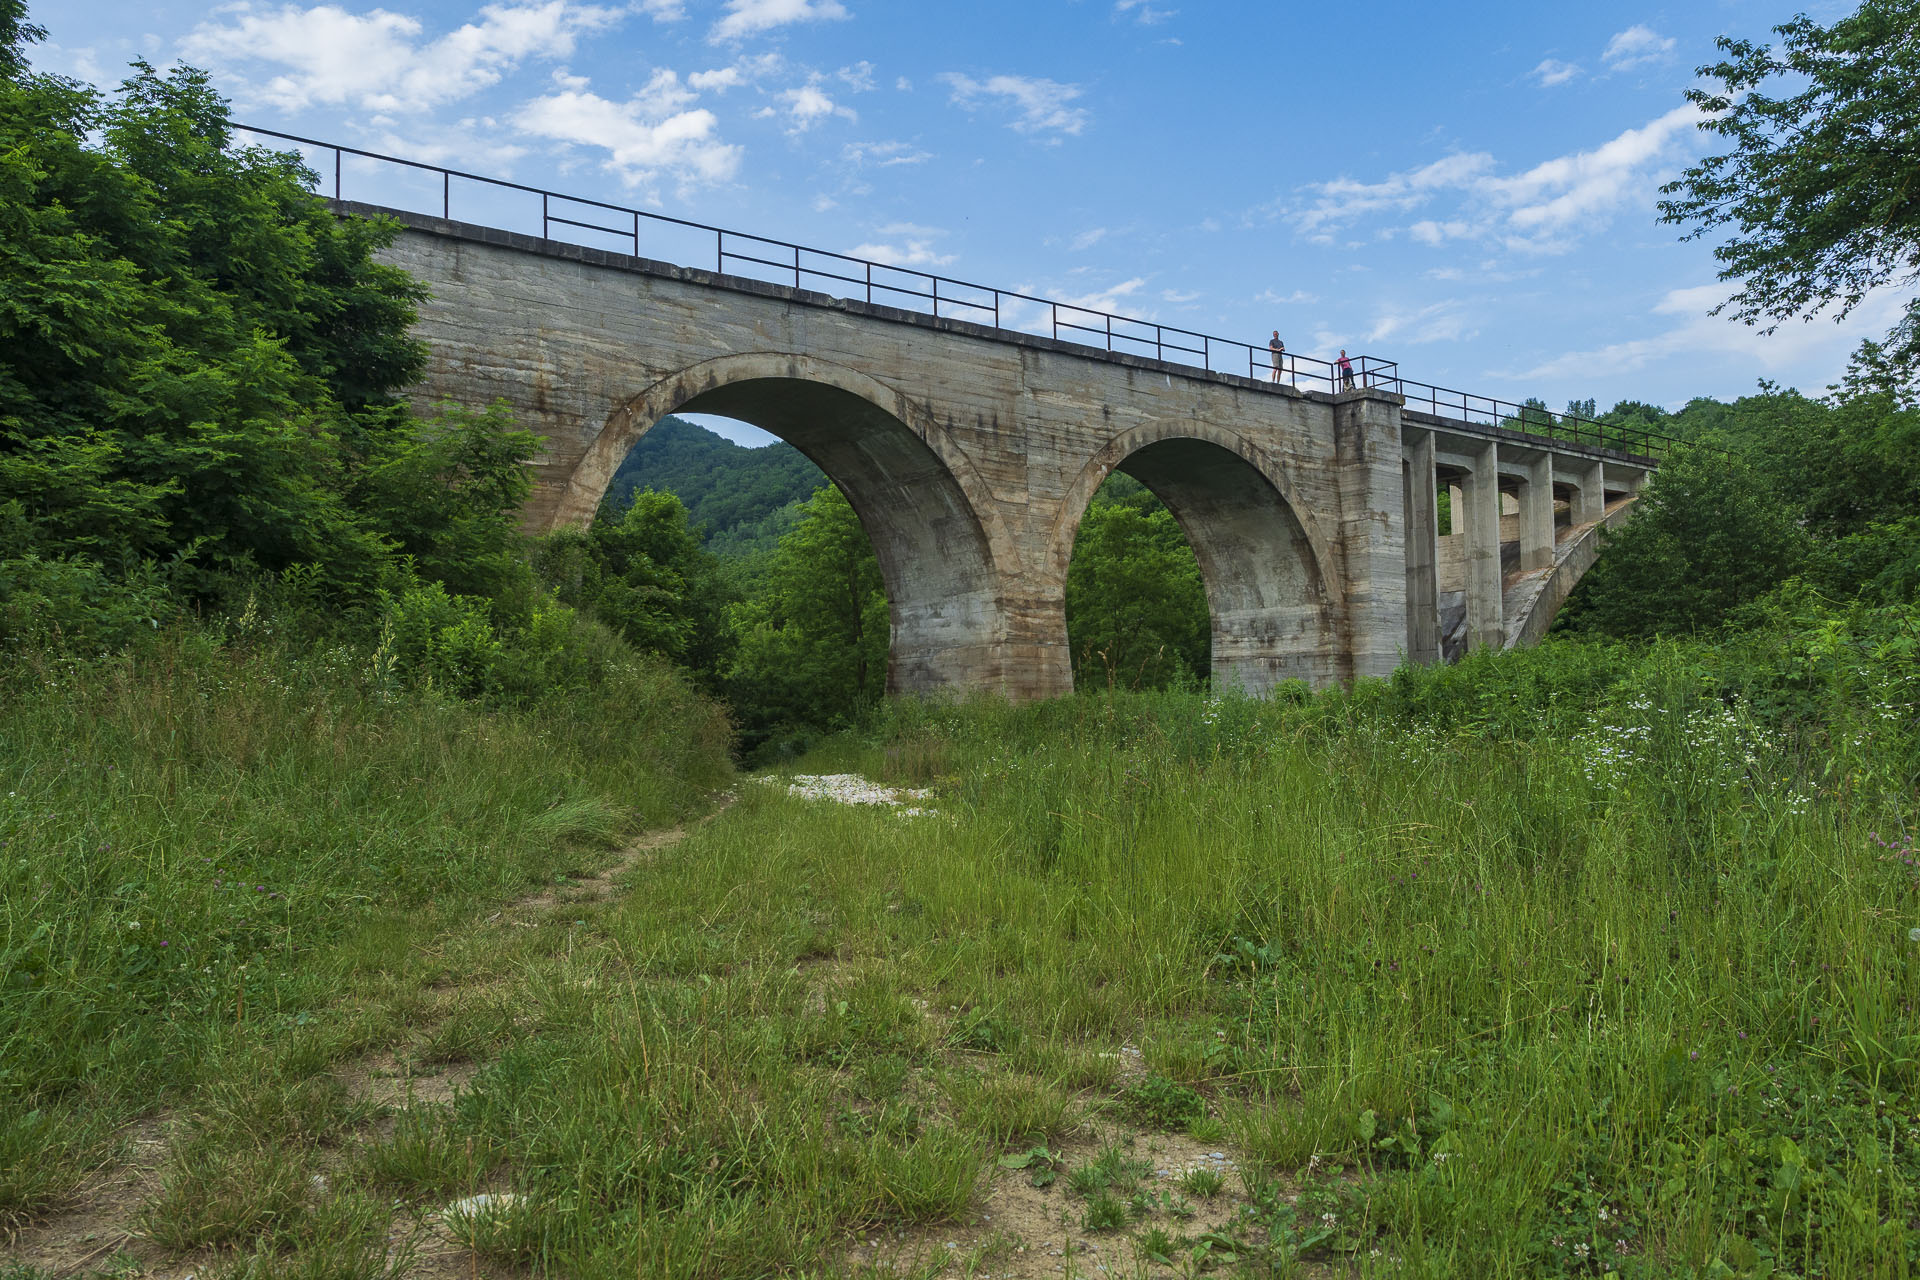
[738,252]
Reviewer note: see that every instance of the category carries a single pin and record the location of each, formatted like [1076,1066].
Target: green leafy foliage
[1706,537]
[813,643]
[1818,184]
[193,350]
[1136,609]
[644,574]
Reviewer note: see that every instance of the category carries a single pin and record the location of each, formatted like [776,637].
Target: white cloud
[1180,297]
[808,104]
[1087,239]
[883,154]
[451,144]
[858,77]
[1699,334]
[1636,46]
[1541,210]
[1431,232]
[1437,322]
[1343,199]
[1551,72]
[663,10]
[646,138]
[1040,105]
[716,81]
[1299,297]
[1559,194]
[1143,13]
[750,17]
[378,60]
[907,245]
[1106,300]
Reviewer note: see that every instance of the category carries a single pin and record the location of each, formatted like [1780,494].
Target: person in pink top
[1346,370]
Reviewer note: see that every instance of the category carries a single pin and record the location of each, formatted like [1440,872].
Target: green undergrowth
[200,839]
[1608,974]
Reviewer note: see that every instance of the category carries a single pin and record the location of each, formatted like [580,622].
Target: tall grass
[1587,963]
[194,839]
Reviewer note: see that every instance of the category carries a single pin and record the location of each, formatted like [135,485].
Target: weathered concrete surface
[970,454]
[1533,598]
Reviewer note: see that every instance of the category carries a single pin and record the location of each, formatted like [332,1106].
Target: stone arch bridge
[970,452]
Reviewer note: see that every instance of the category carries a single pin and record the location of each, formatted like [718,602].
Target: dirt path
[95,1231]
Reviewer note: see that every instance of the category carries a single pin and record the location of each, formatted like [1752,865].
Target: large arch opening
[937,562]
[1271,617]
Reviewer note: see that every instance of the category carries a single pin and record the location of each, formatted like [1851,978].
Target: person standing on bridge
[1346,370]
[1279,350]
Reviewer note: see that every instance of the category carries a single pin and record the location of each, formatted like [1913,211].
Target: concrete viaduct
[970,453]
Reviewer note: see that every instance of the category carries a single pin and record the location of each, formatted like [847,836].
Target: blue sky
[1468,190]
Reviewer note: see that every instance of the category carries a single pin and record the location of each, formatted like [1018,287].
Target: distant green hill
[744,498]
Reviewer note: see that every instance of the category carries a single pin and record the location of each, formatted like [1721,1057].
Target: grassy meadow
[1565,963]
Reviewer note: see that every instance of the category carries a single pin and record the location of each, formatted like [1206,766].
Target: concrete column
[1421,488]
[1624,479]
[1373,524]
[1485,583]
[1589,497]
[1457,509]
[1536,513]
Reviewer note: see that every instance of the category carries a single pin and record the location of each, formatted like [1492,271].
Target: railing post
[936,297]
[796,268]
[336,173]
[636,233]
[996,308]
[869,284]
[1055,308]
[719,251]
[1109,332]
[544,217]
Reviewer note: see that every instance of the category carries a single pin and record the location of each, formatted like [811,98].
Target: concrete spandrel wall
[970,455]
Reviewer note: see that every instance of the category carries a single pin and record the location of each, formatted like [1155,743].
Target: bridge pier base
[1480,495]
[1421,487]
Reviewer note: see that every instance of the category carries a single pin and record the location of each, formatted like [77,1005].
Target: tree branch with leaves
[1821,187]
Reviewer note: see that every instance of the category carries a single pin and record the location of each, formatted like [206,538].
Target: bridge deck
[604,258]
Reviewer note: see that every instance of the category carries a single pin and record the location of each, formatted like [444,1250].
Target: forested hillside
[741,499]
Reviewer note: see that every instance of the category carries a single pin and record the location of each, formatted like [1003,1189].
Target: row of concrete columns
[1477,471]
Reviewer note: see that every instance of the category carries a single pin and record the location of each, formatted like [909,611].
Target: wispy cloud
[1636,46]
[1698,333]
[382,61]
[1142,12]
[1551,72]
[1543,209]
[1445,321]
[884,155]
[1342,200]
[1087,239]
[1039,105]
[751,17]
[905,244]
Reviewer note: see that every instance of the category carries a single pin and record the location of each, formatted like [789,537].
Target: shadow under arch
[1272,594]
[921,503]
